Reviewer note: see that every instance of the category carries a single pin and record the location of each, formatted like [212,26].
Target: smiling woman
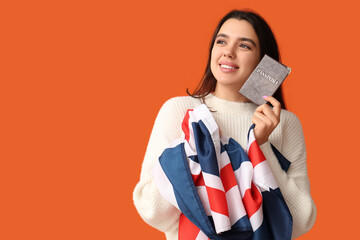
[240,40]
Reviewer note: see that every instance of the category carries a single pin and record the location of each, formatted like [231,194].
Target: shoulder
[183,101]
[174,109]
[179,105]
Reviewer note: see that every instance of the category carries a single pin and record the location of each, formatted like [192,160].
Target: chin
[230,82]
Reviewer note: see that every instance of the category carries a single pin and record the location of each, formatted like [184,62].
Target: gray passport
[264,80]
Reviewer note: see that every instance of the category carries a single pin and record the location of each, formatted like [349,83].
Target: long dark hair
[268,45]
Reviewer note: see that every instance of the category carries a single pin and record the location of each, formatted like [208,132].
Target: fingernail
[265,96]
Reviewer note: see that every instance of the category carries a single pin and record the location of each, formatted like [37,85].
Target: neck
[229,95]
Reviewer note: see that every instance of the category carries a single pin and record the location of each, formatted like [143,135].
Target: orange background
[82,82]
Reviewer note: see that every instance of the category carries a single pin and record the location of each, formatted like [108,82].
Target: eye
[220,42]
[245,46]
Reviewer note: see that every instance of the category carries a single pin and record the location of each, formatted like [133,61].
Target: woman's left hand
[266,119]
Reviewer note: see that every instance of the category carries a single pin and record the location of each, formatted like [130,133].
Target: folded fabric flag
[222,191]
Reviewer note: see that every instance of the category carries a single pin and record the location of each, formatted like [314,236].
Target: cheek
[213,60]
[252,62]
[256,59]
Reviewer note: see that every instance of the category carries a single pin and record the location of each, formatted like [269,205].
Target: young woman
[239,42]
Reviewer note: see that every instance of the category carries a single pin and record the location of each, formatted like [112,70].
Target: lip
[230,64]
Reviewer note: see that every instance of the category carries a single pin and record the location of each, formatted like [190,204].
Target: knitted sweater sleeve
[294,184]
[151,206]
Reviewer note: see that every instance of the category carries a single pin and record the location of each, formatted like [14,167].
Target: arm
[293,184]
[151,206]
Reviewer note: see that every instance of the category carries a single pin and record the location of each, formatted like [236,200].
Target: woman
[239,42]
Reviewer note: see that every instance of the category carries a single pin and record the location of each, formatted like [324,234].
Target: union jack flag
[223,191]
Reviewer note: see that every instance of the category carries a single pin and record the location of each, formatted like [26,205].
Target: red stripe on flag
[185,125]
[255,154]
[187,230]
[252,200]
[198,180]
[217,200]
[227,177]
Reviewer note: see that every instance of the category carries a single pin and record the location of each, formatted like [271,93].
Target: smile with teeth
[227,66]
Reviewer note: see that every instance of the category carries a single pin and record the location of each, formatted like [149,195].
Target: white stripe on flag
[201,190]
[263,176]
[235,205]
[224,160]
[189,147]
[250,140]
[257,219]
[201,236]
[191,142]
[195,167]
[213,181]
[244,176]
[221,222]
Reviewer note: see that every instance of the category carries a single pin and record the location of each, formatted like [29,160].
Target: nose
[229,52]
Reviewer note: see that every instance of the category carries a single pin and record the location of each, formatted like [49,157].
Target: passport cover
[264,80]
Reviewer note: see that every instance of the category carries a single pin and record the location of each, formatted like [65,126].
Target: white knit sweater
[234,120]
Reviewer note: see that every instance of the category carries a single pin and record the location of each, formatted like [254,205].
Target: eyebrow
[241,39]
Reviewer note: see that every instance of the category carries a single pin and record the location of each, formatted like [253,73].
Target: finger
[276,105]
[261,108]
[270,114]
[261,116]
[267,111]
[265,121]
[256,120]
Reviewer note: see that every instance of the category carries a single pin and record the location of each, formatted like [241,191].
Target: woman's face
[235,53]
